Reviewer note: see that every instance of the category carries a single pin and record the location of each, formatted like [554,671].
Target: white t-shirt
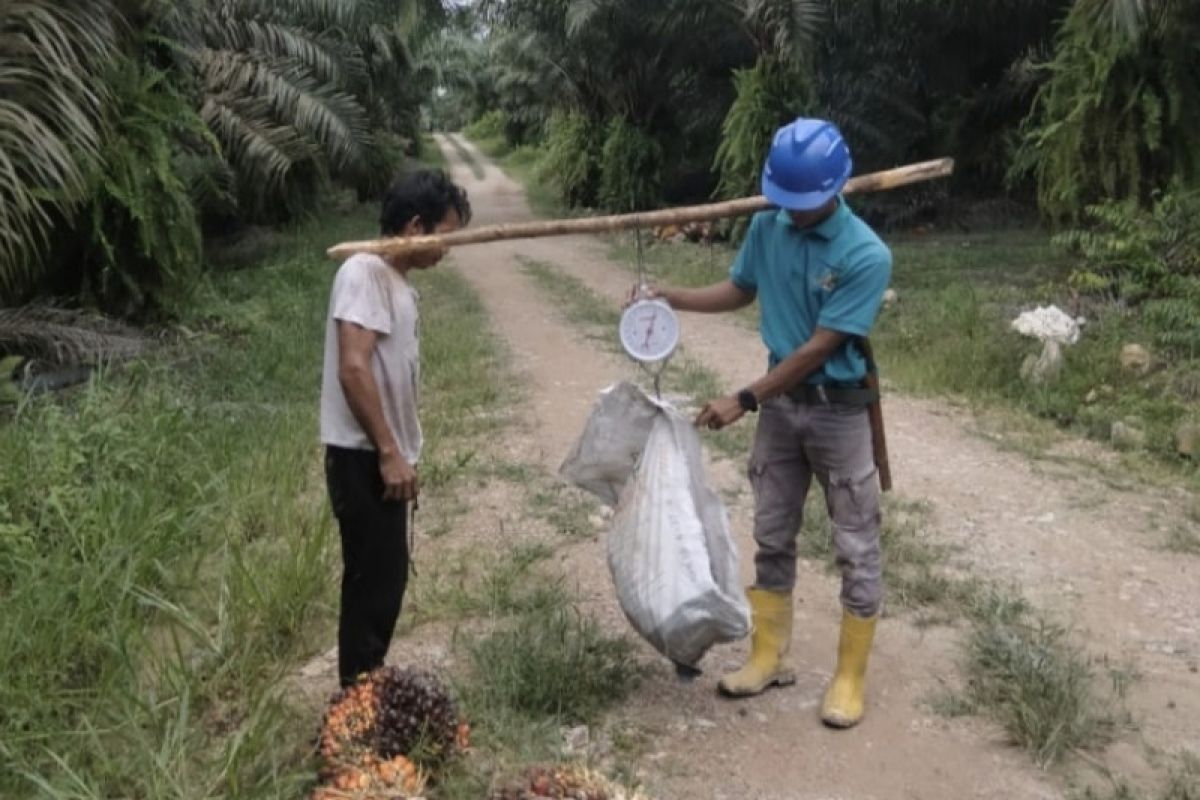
[369,293]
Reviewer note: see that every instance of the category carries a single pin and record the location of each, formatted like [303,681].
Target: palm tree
[51,119]
[778,87]
[1118,112]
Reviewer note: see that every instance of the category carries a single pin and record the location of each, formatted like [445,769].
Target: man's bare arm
[794,369]
[356,347]
[714,299]
[790,372]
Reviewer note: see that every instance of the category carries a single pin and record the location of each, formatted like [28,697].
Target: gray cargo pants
[795,442]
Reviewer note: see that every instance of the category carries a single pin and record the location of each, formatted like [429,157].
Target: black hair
[427,194]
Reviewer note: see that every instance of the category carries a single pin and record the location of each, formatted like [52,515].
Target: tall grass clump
[552,662]
[1022,671]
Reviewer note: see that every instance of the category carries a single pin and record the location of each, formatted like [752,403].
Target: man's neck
[399,266]
[806,221]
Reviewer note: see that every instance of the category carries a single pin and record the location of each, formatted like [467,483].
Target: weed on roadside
[471,587]
[568,510]
[551,662]
[580,305]
[1182,782]
[1022,671]
[1183,537]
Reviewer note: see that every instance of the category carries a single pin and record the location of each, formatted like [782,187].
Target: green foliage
[165,557]
[51,122]
[630,168]
[768,95]
[553,662]
[140,237]
[571,162]
[296,93]
[1149,258]
[1023,672]
[491,125]
[1118,116]
[908,80]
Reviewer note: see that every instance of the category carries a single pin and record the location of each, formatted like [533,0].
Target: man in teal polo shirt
[819,273]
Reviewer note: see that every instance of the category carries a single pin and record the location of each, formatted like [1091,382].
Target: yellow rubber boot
[769,642]
[844,700]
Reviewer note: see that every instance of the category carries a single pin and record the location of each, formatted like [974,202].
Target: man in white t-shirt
[369,423]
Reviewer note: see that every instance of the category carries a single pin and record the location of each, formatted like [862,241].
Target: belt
[813,394]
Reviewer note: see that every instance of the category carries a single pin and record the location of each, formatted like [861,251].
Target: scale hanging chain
[655,373]
[641,261]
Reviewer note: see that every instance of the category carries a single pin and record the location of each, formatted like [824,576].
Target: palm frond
[331,118]
[66,337]
[261,152]
[50,118]
[580,13]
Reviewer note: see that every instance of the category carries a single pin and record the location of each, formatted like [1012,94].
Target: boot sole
[839,724]
[783,679]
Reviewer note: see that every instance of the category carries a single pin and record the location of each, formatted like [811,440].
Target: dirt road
[1073,544]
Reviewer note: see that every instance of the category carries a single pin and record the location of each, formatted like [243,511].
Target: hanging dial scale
[649,327]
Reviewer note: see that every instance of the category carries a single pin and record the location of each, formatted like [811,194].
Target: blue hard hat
[808,165]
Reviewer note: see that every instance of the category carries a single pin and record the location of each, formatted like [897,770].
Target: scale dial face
[649,330]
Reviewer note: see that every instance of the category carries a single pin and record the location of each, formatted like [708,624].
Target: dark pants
[374,559]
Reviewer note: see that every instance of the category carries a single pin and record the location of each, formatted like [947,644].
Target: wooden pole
[400,246]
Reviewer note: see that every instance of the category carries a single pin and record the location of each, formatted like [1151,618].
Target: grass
[918,571]
[466,156]
[465,589]
[551,662]
[1183,538]
[1018,668]
[431,154]
[1023,672]
[166,553]
[568,510]
[1182,783]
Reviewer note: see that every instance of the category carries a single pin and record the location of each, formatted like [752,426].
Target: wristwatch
[747,400]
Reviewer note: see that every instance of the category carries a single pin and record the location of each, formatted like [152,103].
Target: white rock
[1048,323]
[1045,368]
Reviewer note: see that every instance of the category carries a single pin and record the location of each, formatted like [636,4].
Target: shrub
[630,168]
[137,239]
[571,165]
[768,95]
[1117,118]
[491,125]
[1149,258]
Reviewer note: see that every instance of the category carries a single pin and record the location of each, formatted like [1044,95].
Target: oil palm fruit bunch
[373,778]
[379,732]
[566,783]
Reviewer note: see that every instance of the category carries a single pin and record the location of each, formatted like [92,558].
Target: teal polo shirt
[832,275]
